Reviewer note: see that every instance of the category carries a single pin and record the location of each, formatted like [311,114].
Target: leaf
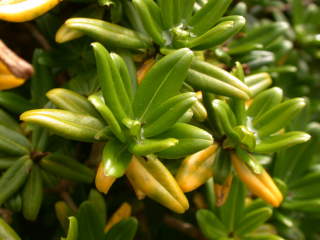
[210,224]
[90,227]
[124,230]
[72,230]
[163,81]
[67,124]
[41,81]
[155,180]
[276,142]
[71,101]
[252,220]
[115,158]
[67,167]
[232,211]
[6,232]
[13,143]
[191,139]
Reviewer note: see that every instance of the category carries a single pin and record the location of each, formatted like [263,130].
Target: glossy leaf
[163,81]
[67,124]
[191,139]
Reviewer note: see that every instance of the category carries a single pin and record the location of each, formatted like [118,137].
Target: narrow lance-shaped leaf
[208,15]
[258,82]
[277,142]
[109,33]
[124,230]
[220,74]
[99,202]
[148,146]
[14,102]
[151,18]
[71,101]
[278,116]
[262,34]
[67,167]
[196,169]
[238,105]
[260,184]
[113,89]
[157,183]
[168,118]
[72,230]
[32,194]
[41,81]
[210,225]
[89,226]
[6,232]
[253,220]
[67,124]
[158,111]
[264,102]
[191,139]
[115,158]
[8,121]
[98,102]
[123,212]
[13,143]
[124,73]
[232,211]
[163,81]
[14,178]
[217,35]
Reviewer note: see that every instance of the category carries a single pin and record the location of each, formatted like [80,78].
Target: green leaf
[115,158]
[168,118]
[191,139]
[232,211]
[264,102]
[163,81]
[262,34]
[108,33]
[210,224]
[6,232]
[258,82]
[32,194]
[276,142]
[113,88]
[150,15]
[252,220]
[72,230]
[149,146]
[67,124]
[14,102]
[278,116]
[308,205]
[41,81]
[217,35]
[90,227]
[14,178]
[124,230]
[98,102]
[67,167]
[99,203]
[13,143]
[220,74]
[9,122]
[71,101]
[208,15]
